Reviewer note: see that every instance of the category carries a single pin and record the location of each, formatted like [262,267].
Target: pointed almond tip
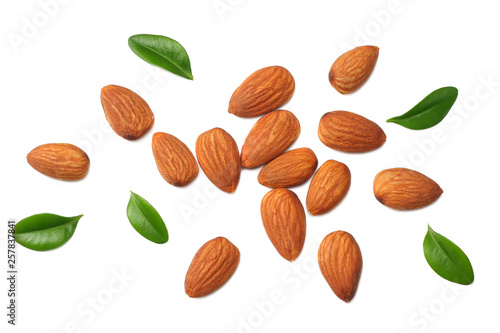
[313,213]
[105,89]
[244,163]
[230,189]
[311,209]
[190,292]
[293,257]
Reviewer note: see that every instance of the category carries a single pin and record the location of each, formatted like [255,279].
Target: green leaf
[42,232]
[163,52]
[430,111]
[447,259]
[146,220]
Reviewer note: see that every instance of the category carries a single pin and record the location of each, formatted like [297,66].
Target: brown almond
[328,187]
[127,113]
[269,137]
[59,160]
[285,222]
[218,156]
[405,189]
[340,262]
[174,160]
[292,168]
[350,132]
[351,70]
[263,91]
[211,267]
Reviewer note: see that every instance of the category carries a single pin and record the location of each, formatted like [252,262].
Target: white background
[50,86]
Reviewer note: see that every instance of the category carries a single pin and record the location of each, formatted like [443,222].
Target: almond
[285,222]
[219,159]
[269,137]
[349,132]
[328,187]
[174,160]
[261,92]
[405,189]
[211,267]
[59,160]
[340,262]
[353,68]
[127,113]
[292,168]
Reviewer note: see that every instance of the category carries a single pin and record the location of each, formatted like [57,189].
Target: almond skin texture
[269,137]
[285,222]
[340,262]
[263,91]
[59,160]
[353,68]
[174,160]
[292,168]
[211,267]
[350,132]
[219,159]
[127,113]
[405,189]
[328,187]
